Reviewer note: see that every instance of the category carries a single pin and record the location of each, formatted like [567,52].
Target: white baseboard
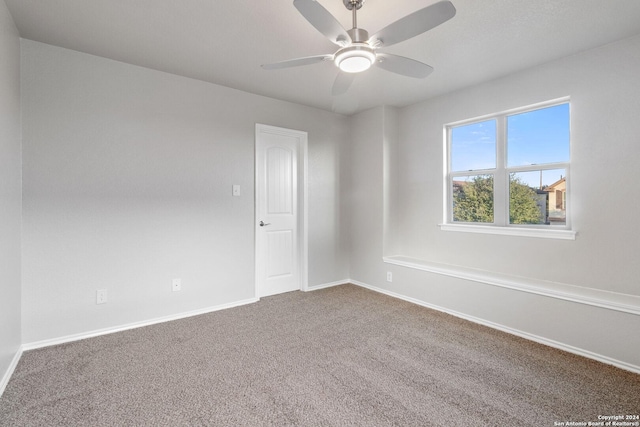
[327,285]
[105,331]
[542,340]
[12,367]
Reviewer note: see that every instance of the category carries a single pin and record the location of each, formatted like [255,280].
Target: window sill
[511,231]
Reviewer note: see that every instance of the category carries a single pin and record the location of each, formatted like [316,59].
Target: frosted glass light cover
[355,59]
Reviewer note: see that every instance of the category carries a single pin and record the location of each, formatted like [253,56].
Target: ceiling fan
[358,52]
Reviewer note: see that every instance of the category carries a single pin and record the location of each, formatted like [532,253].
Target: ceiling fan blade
[404,66]
[414,24]
[342,83]
[308,60]
[323,21]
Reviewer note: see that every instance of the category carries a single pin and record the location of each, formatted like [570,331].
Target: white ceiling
[225,42]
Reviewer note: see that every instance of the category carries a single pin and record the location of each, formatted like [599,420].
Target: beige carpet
[343,356]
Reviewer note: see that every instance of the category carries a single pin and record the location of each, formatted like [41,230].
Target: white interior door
[279,193]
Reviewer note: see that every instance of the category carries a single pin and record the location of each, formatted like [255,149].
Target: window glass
[538,137]
[472,198]
[473,147]
[538,197]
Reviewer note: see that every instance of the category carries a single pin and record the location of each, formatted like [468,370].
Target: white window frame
[501,182]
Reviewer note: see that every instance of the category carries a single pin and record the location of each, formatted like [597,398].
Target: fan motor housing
[358,35]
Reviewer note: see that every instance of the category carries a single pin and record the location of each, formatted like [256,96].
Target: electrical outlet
[101,296]
[176,285]
[389,276]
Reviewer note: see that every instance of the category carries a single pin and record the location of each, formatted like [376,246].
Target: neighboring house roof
[555,184]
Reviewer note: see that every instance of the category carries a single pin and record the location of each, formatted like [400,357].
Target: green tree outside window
[473,201]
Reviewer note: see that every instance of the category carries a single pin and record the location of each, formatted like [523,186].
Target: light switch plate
[236,190]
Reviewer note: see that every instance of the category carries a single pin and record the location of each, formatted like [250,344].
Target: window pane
[539,136]
[473,146]
[472,198]
[538,197]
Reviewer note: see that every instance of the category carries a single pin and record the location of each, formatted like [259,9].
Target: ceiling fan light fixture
[355,58]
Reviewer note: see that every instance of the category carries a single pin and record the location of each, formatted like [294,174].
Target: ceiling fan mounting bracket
[350,4]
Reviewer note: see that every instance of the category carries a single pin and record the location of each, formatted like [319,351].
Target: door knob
[262,223]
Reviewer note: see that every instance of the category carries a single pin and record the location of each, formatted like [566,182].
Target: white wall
[604,91]
[10,191]
[127,184]
[605,99]
[369,195]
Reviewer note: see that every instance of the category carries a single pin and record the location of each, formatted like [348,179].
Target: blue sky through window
[538,136]
[534,137]
[473,146]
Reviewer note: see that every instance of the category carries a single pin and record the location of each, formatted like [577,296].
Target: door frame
[302,183]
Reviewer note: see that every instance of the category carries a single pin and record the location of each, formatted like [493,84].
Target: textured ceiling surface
[225,42]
